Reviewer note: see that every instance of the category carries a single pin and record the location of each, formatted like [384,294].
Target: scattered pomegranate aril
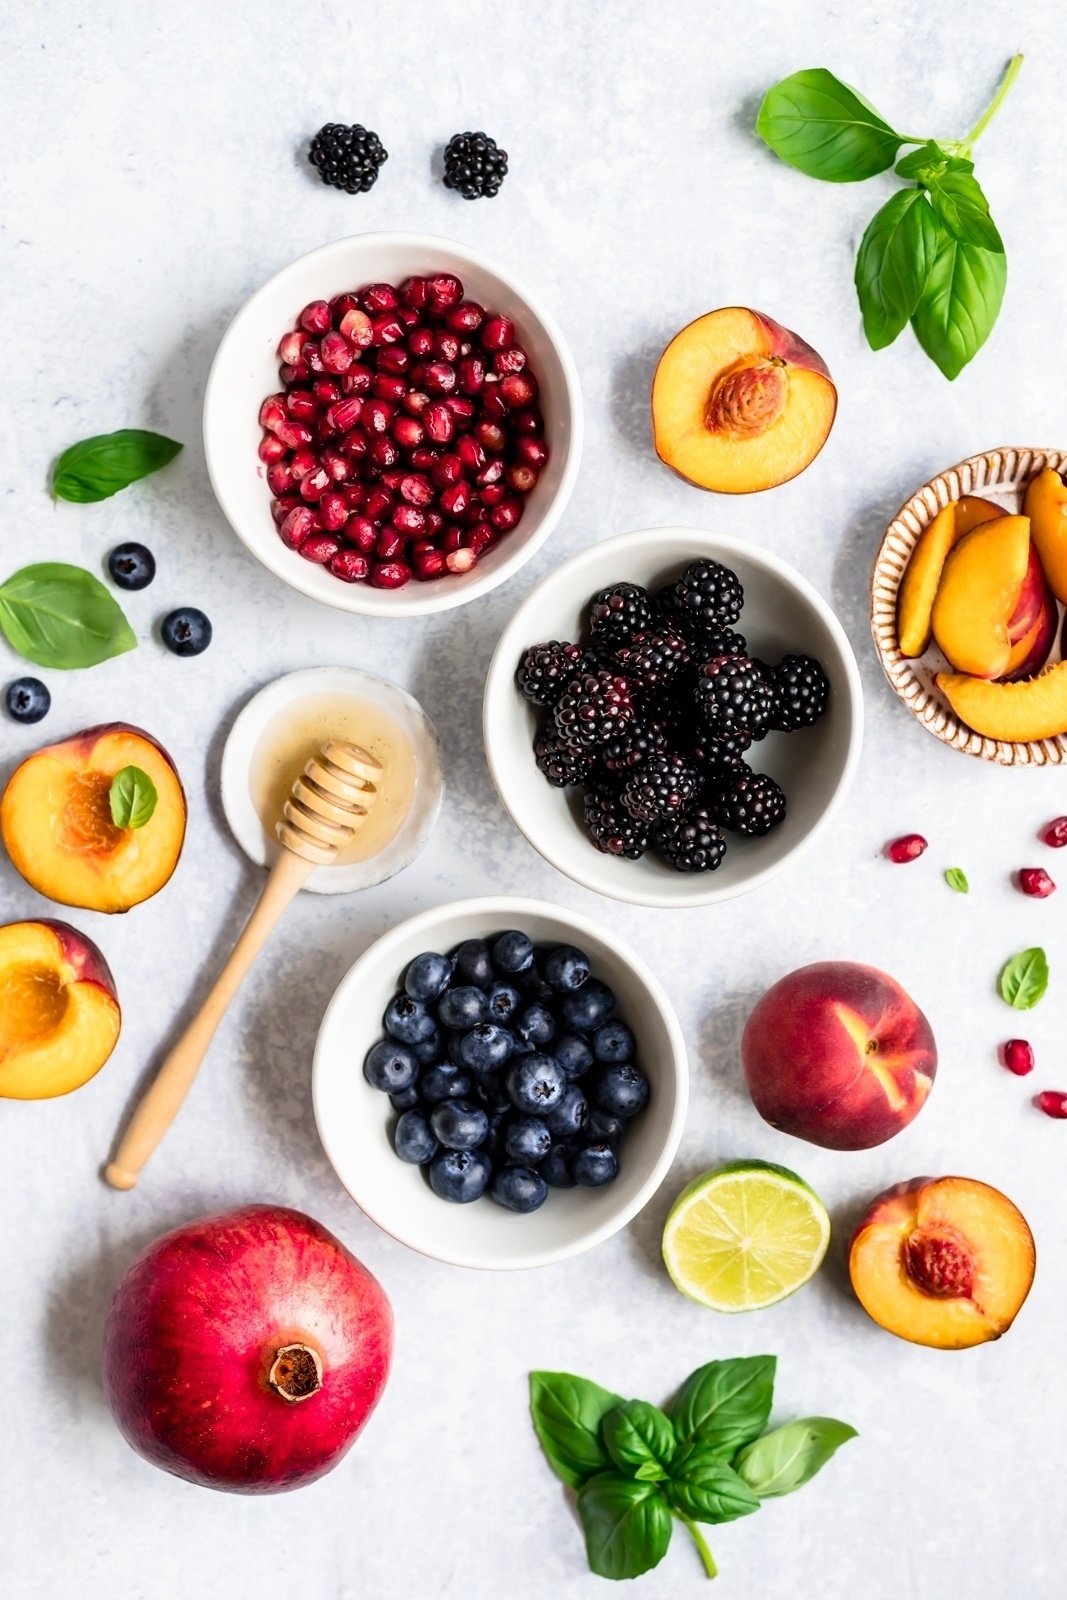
[909,847]
[290,345]
[298,526]
[272,449]
[1052,1102]
[319,548]
[521,478]
[1055,833]
[460,560]
[1035,882]
[316,318]
[497,333]
[506,362]
[390,575]
[350,566]
[333,512]
[314,484]
[443,292]
[1018,1057]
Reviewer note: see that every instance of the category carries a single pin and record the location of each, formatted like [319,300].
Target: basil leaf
[132,798]
[726,1403]
[1024,979]
[822,127]
[895,257]
[567,1413]
[787,1458]
[99,467]
[956,879]
[963,209]
[639,1439]
[627,1525]
[928,161]
[705,1487]
[960,303]
[61,616]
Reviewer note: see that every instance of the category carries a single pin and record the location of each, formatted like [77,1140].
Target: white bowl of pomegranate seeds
[393,425]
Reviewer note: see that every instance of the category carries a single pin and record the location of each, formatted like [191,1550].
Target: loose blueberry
[594,1165]
[186,632]
[132,566]
[573,1055]
[428,976]
[413,1139]
[504,1000]
[603,1128]
[443,1082]
[463,1008]
[390,1066]
[535,1084]
[556,1167]
[535,1024]
[460,1175]
[613,1042]
[473,963]
[571,1114]
[526,1140]
[405,1099]
[408,1020]
[513,951]
[586,1009]
[27,700]
[485,1048]
[519,1189]
[621,1089]
[567,968]
[459,1124]
[430,1049]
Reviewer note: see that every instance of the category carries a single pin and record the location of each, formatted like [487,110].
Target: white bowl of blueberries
[499,1083]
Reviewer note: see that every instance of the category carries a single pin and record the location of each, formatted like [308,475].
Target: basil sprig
[96,468]
[132,798]
[706,1459]
[932,255]
[61,616]
[1024,979]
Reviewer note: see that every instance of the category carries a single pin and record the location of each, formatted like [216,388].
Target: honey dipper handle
[164,1096]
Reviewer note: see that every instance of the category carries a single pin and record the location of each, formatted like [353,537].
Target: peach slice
[1014,712]
[1046,506]
[1030,650]
[59,1016]
[945,1262]
[740,403]
[915,602]
[56,822]
[979,593]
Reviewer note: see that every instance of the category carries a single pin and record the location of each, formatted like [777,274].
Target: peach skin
[59,1016]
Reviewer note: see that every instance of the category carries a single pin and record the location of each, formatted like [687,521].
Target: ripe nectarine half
[59,1016]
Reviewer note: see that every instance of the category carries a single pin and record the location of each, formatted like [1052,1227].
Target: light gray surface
[152,180]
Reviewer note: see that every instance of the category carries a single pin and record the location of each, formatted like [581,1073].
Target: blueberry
[504,1000]
[621,1089]
[567,968]
[460,1175]
[493,1143]
[485,1048]
[556,1167]
[463,1007]
[459,1124]
[404,1099]
[526,1140]
[594,1165]
[441,1082]
[492,1092]
[613,1042]
[535,1084]
[408,1020]
[532,982]
[535,1024]
[131,566]
[573,1055]
[589,1007]
[430,1049]
[519,1189]
[603,1128]
[413,1139]
[570,1115]
[390,1066]
[186,631]
[513,951]
[27,700]
[428,976]
[473,963]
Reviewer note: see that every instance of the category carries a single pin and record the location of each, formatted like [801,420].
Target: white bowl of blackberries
[671,715]
[499,1083]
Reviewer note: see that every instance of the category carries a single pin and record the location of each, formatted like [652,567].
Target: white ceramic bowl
[782,612]
[245,371]
[355,1121]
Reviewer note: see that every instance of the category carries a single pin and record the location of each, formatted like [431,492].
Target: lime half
[745,1236]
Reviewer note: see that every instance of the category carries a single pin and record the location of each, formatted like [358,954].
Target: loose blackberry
[691,844]
[732,694]
[632,746]
[651,660]
[750,803]
[801,693]
[611,827]
[665,786]
[559,763]
[710,594]
[546,669]
[475,165]
[593,709]
[620,612]
[348,158]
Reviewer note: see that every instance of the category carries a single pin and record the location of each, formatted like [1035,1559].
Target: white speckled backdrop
[153,177]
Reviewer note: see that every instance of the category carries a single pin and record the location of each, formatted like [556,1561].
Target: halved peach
[59,1016]
[1046,506]
[979,594]
[945,1262]
[1014,712]
[55,818]
[918,587]
[739,403]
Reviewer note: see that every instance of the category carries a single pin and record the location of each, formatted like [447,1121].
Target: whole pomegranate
[246,1351]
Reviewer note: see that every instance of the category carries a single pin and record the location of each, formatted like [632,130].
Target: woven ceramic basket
[1000,476]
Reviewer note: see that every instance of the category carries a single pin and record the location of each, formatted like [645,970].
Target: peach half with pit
[59,1016]
[739,403]
[945,1262]
[57,827]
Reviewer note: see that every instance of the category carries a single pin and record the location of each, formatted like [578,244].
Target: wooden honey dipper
[329,801]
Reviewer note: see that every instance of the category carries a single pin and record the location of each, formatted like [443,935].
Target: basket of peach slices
[966,606]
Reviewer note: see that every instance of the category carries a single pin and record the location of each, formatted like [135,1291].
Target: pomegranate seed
[345,414]
[447,470]
[356,327]
[1018,1057]
[393,358]
[455,502]
[470,453]
[326,391]
[407,316]
[492,472]
[497,333]
[415,489]
[294,372]
[384,451]
[279,477]
[377,505]
[451,538]
[493,407]
[377,415]
[315,318]
[349,566]
[337,353]
[490,494]
[320,548]
[428,564]
[333,512]
[479,538]
[379,297]
[1035,882]
[424,458]
[386,387]
[518,388]
[521,478]
[392,479]
[532,452]
[298,526]
[301,403]
[460,560]
[491,436]
[909,847]
[506,362]
[390,575]
[1055,834]
[303,462]
[440,377]
[389,545]
[357,380]
[434,522]
[409,520]
[362,532]
[506,514]
[440,423]
[272,449]
[467,317]
[443,292]
[280,508]
[338,466]
[420,342]
[355,494]
[528,422]
[313,485]
[272,413]
[461,408]
[414,293]
[408,432]
[387,329]
[1051,1102]
[415,402]
[354,444]
[471,373]
[290,345]
[447,345]
[341,305]
[323,430]
[311,356]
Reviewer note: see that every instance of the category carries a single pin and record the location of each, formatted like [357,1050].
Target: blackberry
[560,764]
[474,165]
[348,158]
[707,643]
[801,693]
[546,669]
[620,612]
[651,660]
[732,695]
[633,745]
[593,709]
[717,758]
[750,803]
[709,594]
[665,786]
[611,827]
[691,844]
